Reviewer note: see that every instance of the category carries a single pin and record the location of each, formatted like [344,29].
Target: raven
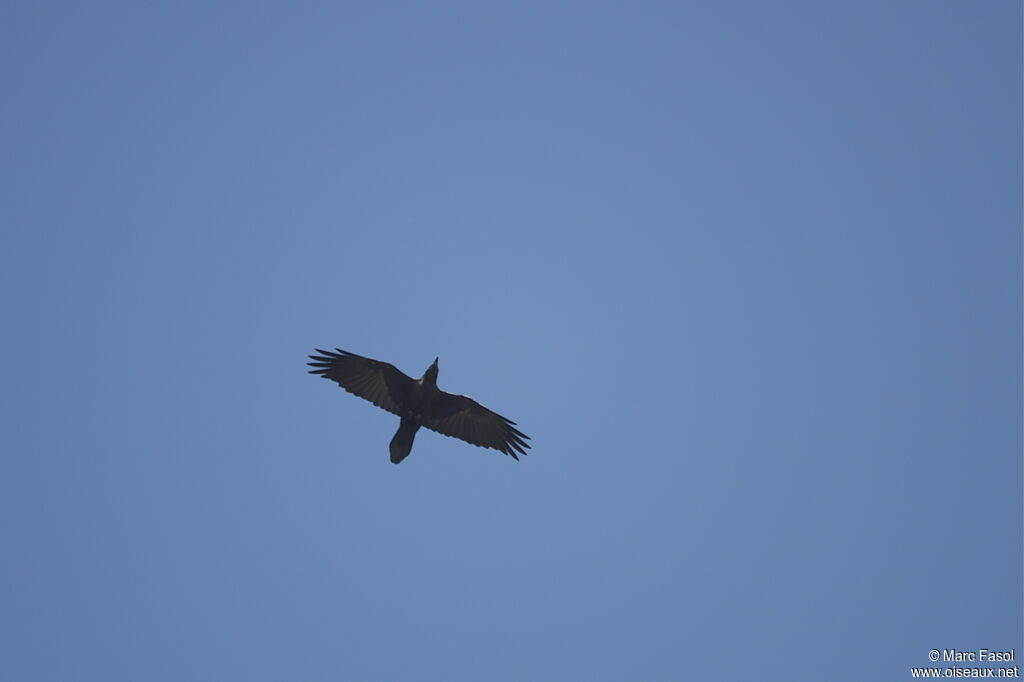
[419,402]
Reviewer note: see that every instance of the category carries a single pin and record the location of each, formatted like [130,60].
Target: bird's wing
[382,384]
[461,417]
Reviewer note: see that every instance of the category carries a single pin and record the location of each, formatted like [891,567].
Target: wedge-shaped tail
[401,444]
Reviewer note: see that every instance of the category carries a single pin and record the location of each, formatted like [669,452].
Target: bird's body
[419,402]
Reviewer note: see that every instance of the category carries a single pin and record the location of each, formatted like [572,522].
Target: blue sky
[749,274]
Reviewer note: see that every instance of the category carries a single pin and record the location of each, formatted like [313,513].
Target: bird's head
[431,373]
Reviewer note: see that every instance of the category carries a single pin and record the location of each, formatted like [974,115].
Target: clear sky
[748,273]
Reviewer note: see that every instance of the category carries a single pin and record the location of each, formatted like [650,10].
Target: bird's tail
[401,444]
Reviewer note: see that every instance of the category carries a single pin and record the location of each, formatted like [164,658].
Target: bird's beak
[435,362]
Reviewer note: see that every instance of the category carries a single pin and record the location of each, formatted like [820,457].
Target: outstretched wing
[464,418]
[382,384]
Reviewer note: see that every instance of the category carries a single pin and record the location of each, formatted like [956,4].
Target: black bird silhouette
[419,402]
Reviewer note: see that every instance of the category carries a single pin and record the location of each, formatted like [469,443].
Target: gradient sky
[748,273]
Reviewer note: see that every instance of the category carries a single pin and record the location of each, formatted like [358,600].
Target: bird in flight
[419,402]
